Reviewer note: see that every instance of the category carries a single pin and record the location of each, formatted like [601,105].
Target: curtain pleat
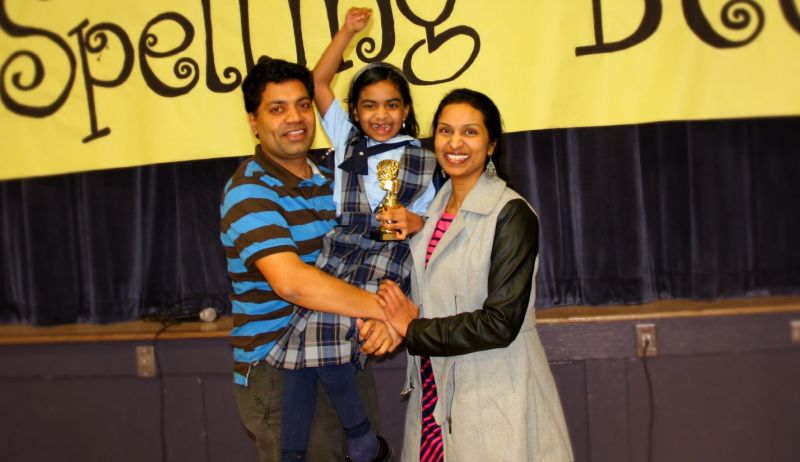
[113,245]
[630,214]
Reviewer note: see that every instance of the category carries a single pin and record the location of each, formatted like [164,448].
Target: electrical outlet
[145,361]
[795,325]
[646,341]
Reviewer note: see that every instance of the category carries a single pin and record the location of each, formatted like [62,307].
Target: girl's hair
[484,104]
[377,72]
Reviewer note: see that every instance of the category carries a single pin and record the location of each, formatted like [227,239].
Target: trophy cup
[387,180]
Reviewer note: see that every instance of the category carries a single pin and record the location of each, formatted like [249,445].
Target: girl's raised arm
[325,70]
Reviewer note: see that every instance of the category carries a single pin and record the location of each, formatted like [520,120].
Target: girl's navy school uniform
[314,338]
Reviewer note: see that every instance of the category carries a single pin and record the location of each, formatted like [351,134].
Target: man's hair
[270,70]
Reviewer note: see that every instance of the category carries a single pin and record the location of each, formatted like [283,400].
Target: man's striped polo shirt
[267,210]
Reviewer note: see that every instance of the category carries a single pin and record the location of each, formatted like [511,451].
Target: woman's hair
[377,72]
[484,104]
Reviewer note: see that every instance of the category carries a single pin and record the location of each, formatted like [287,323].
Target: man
[275,210]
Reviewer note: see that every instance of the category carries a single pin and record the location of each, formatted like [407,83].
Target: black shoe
[384,453]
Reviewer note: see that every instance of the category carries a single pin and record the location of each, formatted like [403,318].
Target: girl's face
[380,110]
[462,142]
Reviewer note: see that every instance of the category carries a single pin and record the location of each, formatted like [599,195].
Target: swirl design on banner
[435,41]
[230,73]
[184,67]
[367,45]
[95,41]
[735,15]
[791,14]
[38,74]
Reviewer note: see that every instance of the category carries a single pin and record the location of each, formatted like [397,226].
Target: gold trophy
[387,180]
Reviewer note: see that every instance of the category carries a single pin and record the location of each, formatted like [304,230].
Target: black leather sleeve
[514,250]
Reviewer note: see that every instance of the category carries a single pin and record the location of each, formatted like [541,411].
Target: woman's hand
[399,310]
[378,336]
[402,221]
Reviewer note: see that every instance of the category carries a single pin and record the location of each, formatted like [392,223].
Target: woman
[480,386]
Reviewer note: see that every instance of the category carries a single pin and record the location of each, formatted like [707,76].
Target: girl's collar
[397,138]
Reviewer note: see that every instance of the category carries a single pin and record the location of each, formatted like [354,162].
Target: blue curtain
[629,214]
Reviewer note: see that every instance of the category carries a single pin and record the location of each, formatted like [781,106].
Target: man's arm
[309,287]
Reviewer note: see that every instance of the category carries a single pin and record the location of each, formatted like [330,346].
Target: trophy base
[379,235]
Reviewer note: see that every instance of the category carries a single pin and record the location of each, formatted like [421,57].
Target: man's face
[284,121]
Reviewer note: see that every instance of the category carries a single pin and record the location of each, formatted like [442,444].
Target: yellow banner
[92,85]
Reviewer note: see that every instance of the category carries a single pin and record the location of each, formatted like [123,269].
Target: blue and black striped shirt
[267,210]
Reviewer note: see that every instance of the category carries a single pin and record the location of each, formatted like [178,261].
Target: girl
[380,125]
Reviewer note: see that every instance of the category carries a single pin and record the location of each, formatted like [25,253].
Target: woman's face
[462,142]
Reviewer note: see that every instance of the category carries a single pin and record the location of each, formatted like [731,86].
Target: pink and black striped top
[441,227]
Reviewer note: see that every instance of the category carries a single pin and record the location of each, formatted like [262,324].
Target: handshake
[382,336]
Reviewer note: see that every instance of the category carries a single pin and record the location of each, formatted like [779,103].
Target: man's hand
[401,220]
[357,19]
[379,337]
[399,310]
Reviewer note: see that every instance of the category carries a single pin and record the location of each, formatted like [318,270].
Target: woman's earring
[404,124]
[491,171]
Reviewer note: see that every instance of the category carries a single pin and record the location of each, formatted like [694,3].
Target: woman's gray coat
[497,404]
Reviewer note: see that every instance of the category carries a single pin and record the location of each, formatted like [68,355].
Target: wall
[724,387]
